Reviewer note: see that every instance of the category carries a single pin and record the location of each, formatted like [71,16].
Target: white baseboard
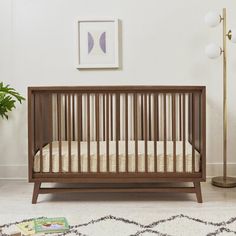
[14,172]
[216,169]
[21,171]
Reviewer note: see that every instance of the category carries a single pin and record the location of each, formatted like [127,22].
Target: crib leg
[36,192]
[197,186]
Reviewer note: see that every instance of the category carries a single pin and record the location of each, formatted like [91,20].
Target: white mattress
[112,157]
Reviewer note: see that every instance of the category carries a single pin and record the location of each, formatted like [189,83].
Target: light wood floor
[15,202]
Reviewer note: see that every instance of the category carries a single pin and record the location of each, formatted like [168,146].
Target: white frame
[116,36]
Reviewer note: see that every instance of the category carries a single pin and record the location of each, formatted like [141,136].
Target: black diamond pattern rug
[174,225]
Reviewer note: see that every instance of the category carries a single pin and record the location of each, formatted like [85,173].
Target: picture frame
[98,43]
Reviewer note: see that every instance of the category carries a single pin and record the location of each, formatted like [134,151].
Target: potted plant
[8,97]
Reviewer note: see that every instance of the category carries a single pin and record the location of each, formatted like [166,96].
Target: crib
[117,138]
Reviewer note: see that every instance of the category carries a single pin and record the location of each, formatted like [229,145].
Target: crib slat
[155,131]
[50,135]
[65,116]
[73,117]
[184,135]
[142,136]
[59,129]
[97,132]
[117,130]
[126,133]
[104,111]
[165,156]
[88,131]
[135,132]
[41,132]
[193,132]
[69,131]
[107,133]
[111,117]
[149,116]
[157,107]
[174,130]
[145,132]
[58,124]
[180,118]
[79,128]
[81,117]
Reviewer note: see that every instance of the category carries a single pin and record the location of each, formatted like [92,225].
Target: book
[51,225]
[27,228]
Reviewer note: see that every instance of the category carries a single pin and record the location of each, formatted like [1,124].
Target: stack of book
[44,226]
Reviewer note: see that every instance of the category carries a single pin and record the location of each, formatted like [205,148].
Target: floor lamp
[213,51]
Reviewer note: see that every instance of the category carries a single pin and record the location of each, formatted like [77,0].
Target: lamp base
[219,181]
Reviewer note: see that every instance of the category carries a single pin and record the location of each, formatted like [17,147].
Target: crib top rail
[118,89]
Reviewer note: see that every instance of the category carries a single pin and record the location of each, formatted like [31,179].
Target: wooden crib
[117,138]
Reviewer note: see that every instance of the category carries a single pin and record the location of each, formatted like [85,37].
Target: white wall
[162,44]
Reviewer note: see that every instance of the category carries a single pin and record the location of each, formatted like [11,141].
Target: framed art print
[98,43]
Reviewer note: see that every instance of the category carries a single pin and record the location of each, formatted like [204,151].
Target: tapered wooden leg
[36,192]
[197,186]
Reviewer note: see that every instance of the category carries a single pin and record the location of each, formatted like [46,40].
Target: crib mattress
[112,157]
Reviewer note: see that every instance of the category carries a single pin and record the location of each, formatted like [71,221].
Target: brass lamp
[213,19]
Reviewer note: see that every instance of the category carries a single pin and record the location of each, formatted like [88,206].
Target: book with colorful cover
[27,228]
[51,225]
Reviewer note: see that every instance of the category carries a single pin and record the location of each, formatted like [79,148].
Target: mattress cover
[112,157]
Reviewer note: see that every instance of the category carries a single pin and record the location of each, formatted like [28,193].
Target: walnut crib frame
[40,133]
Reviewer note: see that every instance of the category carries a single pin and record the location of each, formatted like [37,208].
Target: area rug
[174,225]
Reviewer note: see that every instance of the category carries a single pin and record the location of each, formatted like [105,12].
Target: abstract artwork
[98,44]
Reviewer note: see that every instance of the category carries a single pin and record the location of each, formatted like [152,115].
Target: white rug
[180,224]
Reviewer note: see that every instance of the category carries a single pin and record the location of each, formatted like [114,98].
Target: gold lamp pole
[223,181]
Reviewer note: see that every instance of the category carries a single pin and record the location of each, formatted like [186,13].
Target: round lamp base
[229,182]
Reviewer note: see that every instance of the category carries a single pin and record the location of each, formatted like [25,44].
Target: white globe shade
[213,51]
[233,35]
[212,19]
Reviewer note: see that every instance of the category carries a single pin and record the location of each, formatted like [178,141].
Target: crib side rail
[97,116]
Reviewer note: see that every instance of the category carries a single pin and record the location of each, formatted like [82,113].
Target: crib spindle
[157,119]
[184,134]
[135,131]
[180,117]
[50,137]
[165,136]
[69,131]
[88,132]
[65,97]
[174,130]
[117,130]
[111,117]
[107,133]
[126,133]
[97,132]
[193,132]
[79,128]
[145,132]
[155,131]
[150,117]
[142,136]
[59,130]
[41,133]
[81,117]
[73,117]
[104,115]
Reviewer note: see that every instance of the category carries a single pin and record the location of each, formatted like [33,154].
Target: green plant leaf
[8,97]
